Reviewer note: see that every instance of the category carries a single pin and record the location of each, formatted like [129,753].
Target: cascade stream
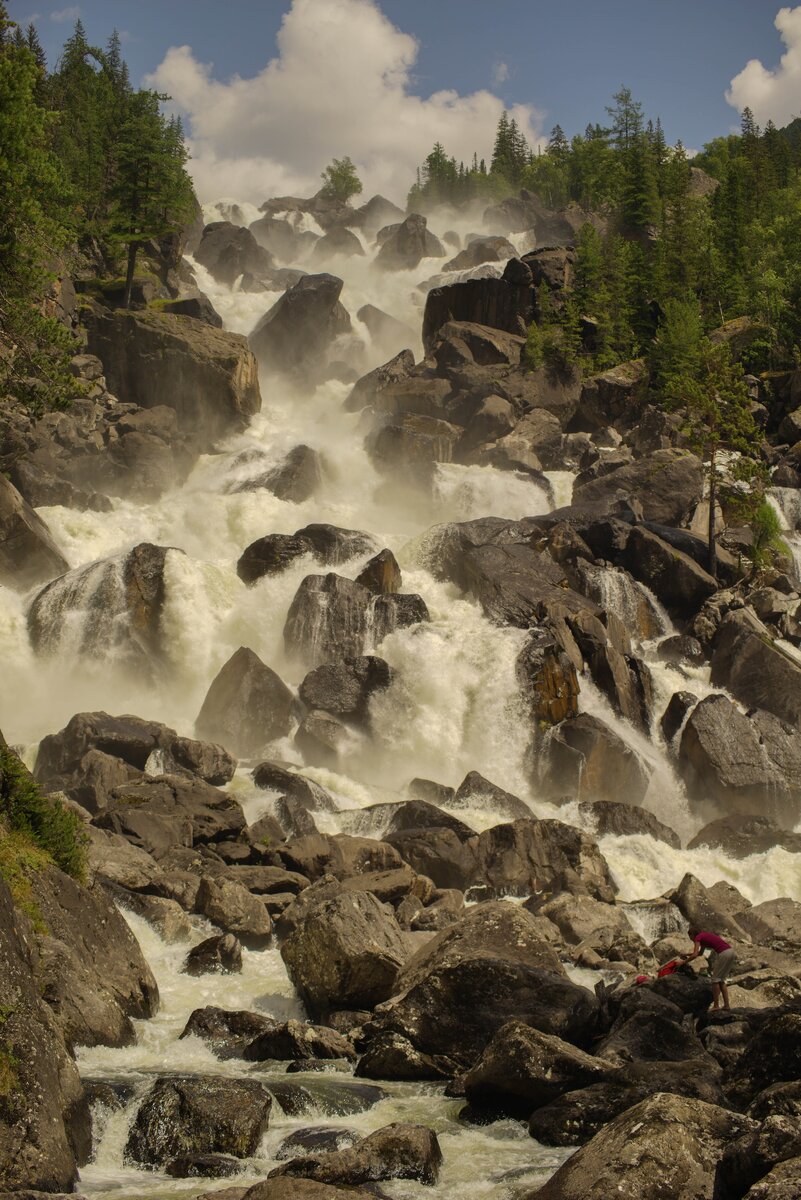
[452,708]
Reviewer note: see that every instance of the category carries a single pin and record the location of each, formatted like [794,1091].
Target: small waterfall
[787,503]
[85,612]
[636,606]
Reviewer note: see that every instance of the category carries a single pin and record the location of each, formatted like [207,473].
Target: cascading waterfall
[787,503]
[453,705]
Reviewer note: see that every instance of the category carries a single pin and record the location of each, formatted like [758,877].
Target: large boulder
[45,1121]
[505,303]
[295,335]
[295,478]
[521,1069]
[95,752]
[733,763]
[489,968]
[407,244]
[408,444]
[28,552]
[585,758]
[666,1146]
[112,606]
[675,578]
[667,485]
[398,1151]
[327,544]
[481,250]
[91,970]
[742,836]
[749,1158]
[230,251]
[547,679]
[366,390]
[234,909]
[159,813]
[345,688]
[208,376]
[620,820]
[749,664]
[298,1041]
[530,856]
[332,618]
[345,954]
[198,1115]
[771,1055]
[246,706]
[615,398]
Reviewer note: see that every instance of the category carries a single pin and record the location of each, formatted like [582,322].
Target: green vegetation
[340,181]
[767,534]
[88,165]
[42,831]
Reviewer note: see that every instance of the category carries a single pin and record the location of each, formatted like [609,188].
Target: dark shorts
[721,965]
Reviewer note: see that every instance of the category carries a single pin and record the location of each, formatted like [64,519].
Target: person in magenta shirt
[722,960]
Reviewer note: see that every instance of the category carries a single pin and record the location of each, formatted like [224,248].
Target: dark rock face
[679,706]
[739,837]
[381,574]
[407,244]
[667,484]
[521,1069]
[91,970]
[547,680]
[337,241]
[345,688]
[235,910]
[45,1118]
[755,671]
[753,1155]
[398,1151]
[247,705]
[208,376]
[505,303]
[489,968]
[741,763]
[346,953]
[297,477]
[674,577]
[295,335]
[771,1055]
[481,250]
[366,389]
[529,856]
[229,251]
[118,605]
[199,307]
[67,761]
[158,813]
[221,952]
[28,553]
[615,398]
[296,1040]
[198,1115]
[326,543]
[665,1146]
[477,792]
[409,444]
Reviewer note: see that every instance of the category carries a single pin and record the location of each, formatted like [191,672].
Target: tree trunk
[713,479]
[129,277]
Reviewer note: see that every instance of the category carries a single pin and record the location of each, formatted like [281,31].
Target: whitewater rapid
[453,707]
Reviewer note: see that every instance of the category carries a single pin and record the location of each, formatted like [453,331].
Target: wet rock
[198,1115]
[775,923]
[296,334]
[227,1031]
[366,390]
[531,856]
[477,792]
[381,574]
[428,794]
[547,680]
[206,1166]
[535,443]
[246,706]
[297,1040]
[300,1189]
[412,441]
[346,688]
[585,758]
[28,551]
[296,478]
[489,968]
[407,244]
[321,739]
[234,910]
[315,1140]
[221,952]
[739,837]
[674,578]
[346,953]
[439,852]
[609,817]
[679,706]
[166,916]
[208,376]
[229,251]
[277,778]
[338,241]
[116,604]
[339,855]
[199,307]
[398,1151]
[665,1146]
[702,909]
[270,555]
[392,1056]
[521,1069]
[481,250]
[755,670]
[763,775]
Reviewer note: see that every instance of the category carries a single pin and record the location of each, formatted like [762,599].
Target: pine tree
[340,181]
[626,115]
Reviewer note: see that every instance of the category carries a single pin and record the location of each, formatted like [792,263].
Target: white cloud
[340,84]
[773,94]
[500,73]
[66,14]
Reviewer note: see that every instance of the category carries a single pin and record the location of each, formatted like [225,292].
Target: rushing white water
[453,705]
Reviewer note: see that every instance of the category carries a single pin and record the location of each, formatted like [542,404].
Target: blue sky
[558,62]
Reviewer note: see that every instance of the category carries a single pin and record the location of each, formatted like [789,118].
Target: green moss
[45,825]
[20,859]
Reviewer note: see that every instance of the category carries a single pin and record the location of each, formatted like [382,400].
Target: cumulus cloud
[773,93]
[66,14]
[341,84]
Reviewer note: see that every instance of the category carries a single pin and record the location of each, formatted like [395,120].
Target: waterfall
[787,503]
[638,608]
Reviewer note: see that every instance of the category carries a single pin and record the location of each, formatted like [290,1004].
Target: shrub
[46,824]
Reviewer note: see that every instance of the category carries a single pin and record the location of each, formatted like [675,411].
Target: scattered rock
[246,706]
[222,952]
[398,1151]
